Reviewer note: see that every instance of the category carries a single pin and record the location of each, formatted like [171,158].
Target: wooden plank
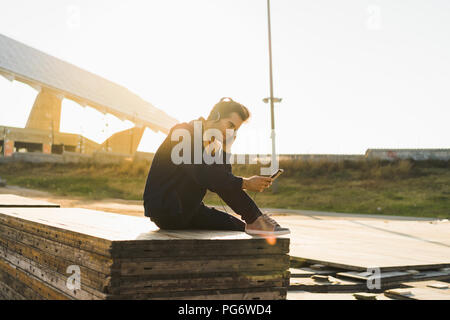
[397,276]
[192,247]
[306,272]
[8,293]
[361,244]
[116,227]
[304,295]
[18,287]
[58,234]
[365,296]
[90,277]
[320,286]
[423,290]
[335,285]
[14,201]
[84,258]
[432,275]
[130,285]
[147,266]
[271,294]
[46,291]
[229,294]
[50,277]
[383,276]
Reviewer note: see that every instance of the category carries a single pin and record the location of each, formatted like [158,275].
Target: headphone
[217,114]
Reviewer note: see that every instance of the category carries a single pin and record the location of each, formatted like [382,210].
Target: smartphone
[277,174]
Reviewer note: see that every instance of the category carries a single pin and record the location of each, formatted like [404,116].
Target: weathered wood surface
[396,276]
[23,277]
[276,293]
[383,276]
[52,232]
[423,290]
[360,244]
[33,258]
[124,257]
[147,266]
[432,275]
[304,295]
[91,226]
[8,293]
[52,266]
[14,201]
[193,247]
[48,292]
[307,272]
[338,285]
[51,277]
[12,238]
[130,285]
[325,280]
[322,286]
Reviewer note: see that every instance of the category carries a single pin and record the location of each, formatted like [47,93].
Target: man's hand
[256,183]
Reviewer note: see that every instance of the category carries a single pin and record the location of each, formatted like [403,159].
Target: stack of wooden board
[125,257]
[317,278]
[337,255]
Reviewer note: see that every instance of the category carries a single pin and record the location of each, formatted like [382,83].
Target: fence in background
[414,154]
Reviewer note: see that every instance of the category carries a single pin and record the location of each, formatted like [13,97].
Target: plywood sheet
[12,200]
[358,245]
[125,257]
[115,227]
[423,290]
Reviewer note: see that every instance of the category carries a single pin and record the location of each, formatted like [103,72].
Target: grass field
[375,187]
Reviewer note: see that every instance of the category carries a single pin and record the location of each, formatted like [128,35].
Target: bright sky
[353,74]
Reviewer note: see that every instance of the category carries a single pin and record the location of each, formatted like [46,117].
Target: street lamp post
[272,101]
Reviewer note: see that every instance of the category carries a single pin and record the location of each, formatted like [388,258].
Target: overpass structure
[55,80]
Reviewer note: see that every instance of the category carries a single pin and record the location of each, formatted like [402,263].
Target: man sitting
[179,177]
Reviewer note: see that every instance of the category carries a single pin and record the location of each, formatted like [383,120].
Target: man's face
[232,122]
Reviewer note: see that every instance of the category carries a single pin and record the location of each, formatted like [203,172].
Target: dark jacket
[176,191]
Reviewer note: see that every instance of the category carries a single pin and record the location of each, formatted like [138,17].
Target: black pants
[205,218]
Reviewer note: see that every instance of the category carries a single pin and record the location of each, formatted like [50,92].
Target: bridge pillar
[46,111]
[126,141]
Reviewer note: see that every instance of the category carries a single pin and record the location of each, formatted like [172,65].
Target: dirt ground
[135,207]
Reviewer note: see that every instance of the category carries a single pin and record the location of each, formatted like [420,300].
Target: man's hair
[225,107]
